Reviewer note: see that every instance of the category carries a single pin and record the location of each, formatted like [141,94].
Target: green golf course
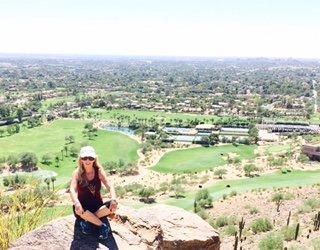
[202,158]
[292,179]
[50,138]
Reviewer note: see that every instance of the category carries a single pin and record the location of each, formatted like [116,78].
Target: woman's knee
[103,211]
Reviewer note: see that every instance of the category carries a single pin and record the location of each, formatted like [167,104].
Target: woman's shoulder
[101,173]
[75,173]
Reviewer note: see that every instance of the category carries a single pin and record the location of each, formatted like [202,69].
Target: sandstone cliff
[156,227]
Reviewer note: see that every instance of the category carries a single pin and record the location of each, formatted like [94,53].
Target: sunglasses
[87,158]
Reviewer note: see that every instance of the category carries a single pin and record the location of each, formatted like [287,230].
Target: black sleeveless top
[89,193]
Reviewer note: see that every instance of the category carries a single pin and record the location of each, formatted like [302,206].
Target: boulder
[156,227]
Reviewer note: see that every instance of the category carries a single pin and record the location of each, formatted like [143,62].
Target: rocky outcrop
[156,227]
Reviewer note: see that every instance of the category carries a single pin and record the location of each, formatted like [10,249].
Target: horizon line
[79,55]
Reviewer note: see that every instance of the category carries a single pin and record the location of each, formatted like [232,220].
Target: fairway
[277,149]
[202,158]
[293,179]
[50,138]
[157,115]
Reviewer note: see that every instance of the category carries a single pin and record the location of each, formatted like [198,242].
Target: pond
[123,130]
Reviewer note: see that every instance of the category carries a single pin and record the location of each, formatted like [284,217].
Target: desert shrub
[14,181]
[303,158]
[249,168]
[288,196]
[233,193]
[221,221]
[304,209]
[313,203]
[230,230]
[271,242]
[134,188]
[253,210]
[224,220]
[288,232]
[261,225]
[203,198]
[220,172]
[203,214]
[164,187]
[22,212]
[178,190]
[120,191]
[145,193]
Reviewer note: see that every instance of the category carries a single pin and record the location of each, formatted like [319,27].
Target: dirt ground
[261,200]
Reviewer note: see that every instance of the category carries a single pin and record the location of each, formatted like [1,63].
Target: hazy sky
[270,28]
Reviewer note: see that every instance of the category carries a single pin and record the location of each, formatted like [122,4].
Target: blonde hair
[82,172]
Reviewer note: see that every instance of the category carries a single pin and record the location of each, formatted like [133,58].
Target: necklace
[92,188]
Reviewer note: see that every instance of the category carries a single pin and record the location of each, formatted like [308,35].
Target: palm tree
[57,159]
[47,181]
[66,149]
[53,179]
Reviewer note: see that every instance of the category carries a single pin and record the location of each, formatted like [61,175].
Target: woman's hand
[78,208]
[113,206]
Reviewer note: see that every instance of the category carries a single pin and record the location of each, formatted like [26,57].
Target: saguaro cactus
[241,226]
[297,232]
[288,220]
[316,222]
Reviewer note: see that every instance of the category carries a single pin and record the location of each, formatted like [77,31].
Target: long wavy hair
[82,172]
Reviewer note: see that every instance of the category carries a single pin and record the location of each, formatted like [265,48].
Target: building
[312,151]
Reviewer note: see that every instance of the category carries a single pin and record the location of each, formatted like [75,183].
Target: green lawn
[293,179]
[278,149]
[50,138]
[52,101]
[202,158]
[315,118]
[157,115]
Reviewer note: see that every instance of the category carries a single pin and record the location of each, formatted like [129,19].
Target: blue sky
[246,28]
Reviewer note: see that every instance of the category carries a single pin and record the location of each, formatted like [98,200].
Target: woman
[85,193]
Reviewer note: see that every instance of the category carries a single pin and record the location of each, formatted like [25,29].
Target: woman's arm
[73,192]
[109,185]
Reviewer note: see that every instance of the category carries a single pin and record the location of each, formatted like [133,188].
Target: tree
[213,139]
[10,130]
[145,193]
[220,172]
[16,128]
[203,198]
[178,190]
[253,134]
[205,140]
[73,151]
[57,160]
[19,114]
[70,139]
[2,131]
[53,179]
[28,160]
[278,199]
[249,168]
[12,161]
[46,159]
[47,181]
[141,131]
[65,147]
